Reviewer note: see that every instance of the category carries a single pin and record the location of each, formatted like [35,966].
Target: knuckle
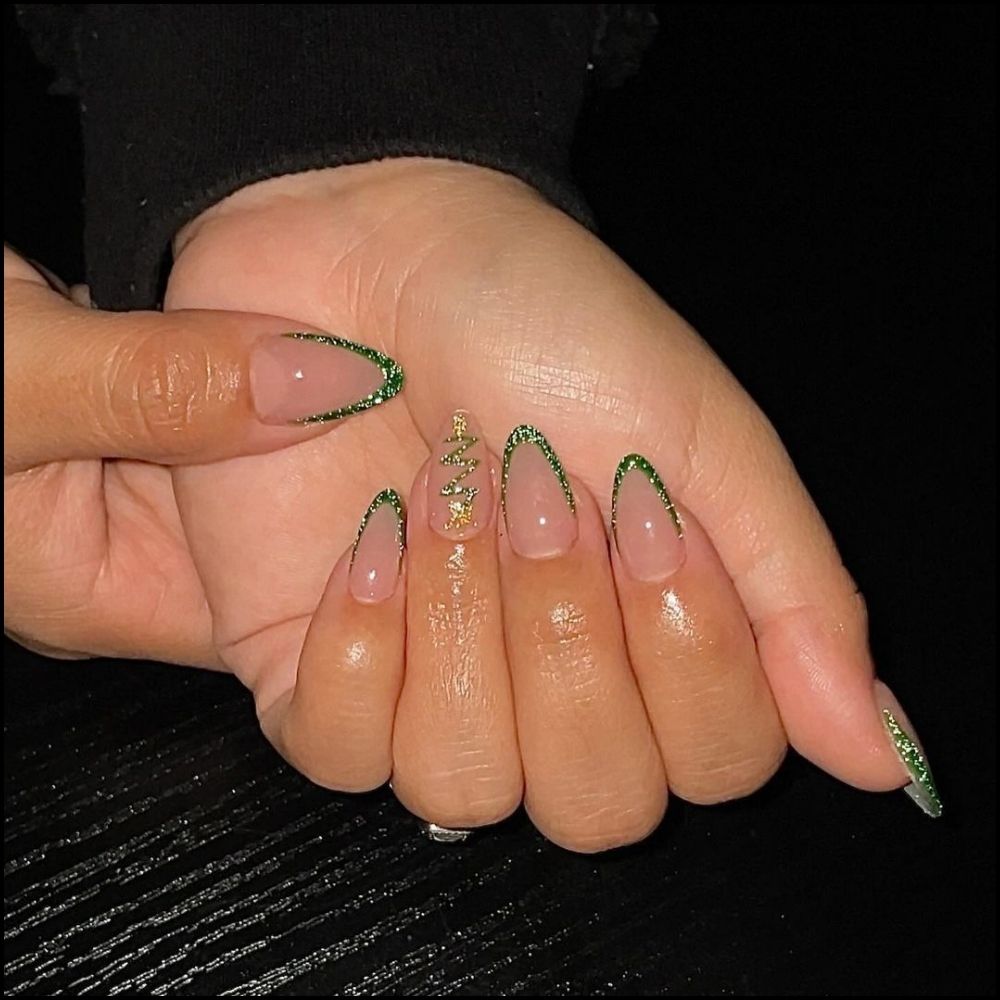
[837,613]
[158,388]
[566,652]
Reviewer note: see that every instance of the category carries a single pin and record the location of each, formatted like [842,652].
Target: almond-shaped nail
[645,523]
[459,484]
[910,751]
[311,378]
[378,550]
[538,504]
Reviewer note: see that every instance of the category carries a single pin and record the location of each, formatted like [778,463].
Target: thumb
[171,388]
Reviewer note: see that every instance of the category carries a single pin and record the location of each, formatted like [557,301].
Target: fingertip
[821,674]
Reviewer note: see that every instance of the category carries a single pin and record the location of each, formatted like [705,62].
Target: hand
[493,300]
[96,405]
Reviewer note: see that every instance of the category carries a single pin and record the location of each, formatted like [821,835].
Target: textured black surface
[813,186]
[155,845]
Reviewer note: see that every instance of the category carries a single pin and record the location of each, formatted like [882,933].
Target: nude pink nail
[312,378]
[459,484]
[645,523]
[378,550]
[538,503]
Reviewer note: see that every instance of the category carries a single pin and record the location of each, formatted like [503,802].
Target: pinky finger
[335,725]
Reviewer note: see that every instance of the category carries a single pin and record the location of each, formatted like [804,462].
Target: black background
[812,186]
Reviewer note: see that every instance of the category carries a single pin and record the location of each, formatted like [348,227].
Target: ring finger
[690,645]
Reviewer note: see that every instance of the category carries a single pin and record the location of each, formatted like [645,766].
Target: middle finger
[593,774]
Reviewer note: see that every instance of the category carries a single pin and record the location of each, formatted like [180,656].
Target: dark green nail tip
[525,433]
[922,788]
[643,465]
[391,498]
[392,377]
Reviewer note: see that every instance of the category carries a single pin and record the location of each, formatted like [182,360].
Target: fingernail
[538,504]
[904,739]
[459,486]
[378,550]
[645,523]
[311,378]
[444,834]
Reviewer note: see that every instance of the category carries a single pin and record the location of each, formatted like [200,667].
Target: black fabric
[183,104]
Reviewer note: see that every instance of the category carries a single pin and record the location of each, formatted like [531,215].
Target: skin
[593,776]
[335,725]
[96,406]
[455,746]
[488,297]
[693,654]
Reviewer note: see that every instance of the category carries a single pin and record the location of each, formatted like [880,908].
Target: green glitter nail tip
[637,462]
[525,433]
[395,501]
[922,789]
[392,377]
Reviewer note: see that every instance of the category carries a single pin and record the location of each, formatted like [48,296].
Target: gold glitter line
[460,510]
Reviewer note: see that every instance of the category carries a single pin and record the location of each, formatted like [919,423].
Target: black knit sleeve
[183,104]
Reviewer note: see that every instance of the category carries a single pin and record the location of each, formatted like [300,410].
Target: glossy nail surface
[645,523]
[459,484]
[921,788]
[378,550]
[538,504]
[309,378]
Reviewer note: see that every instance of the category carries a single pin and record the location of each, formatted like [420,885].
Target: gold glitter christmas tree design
[460,507]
